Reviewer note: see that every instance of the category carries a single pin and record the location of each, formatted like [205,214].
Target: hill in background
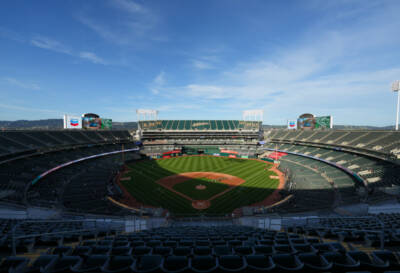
[58,124]
[55,124]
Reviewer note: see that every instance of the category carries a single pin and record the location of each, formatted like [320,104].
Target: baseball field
[200,184]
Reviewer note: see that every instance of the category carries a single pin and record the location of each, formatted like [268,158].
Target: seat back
[43,261]
[148,263]
[232,263]
[116,263]
[175,264]
[95,261]
[204,263]
[259,262]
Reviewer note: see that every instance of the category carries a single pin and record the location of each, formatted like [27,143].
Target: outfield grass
[144,188]
[189,188]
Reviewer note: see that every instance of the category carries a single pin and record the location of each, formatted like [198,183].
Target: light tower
[396,88]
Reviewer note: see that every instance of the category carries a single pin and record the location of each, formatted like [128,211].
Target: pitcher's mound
[201,204]
[200,187]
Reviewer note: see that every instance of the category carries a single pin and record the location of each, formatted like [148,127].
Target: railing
[315,223]
[127,224]
[80,160]
[87,226]
[346,170]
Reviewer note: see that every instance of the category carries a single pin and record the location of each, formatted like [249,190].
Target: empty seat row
[304,262]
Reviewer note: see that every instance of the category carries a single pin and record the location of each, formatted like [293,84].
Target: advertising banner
[292,124]
[106,123]
[72,122]
[323,122]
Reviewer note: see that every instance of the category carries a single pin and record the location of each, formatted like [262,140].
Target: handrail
[380,232]
[346,170]
[15,237]
[355,150]
[47,150]
[79,160]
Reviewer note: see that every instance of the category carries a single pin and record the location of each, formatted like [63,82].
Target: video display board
[306,121]
[91,123]
[309,121]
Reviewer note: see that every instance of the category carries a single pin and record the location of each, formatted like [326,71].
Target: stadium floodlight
[396,88]
[253,115]
[146,114]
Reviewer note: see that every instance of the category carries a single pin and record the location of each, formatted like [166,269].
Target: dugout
[194,150]
[173,153]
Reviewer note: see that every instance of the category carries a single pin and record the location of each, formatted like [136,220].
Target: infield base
[201,204]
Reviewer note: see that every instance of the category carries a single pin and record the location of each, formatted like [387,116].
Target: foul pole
[396,88]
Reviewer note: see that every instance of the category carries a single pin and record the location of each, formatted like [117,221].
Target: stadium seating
[326,255]
[82,187]
[12,142]
[192,132]
[218,125]
[16,175]
[377,173]
[384,142]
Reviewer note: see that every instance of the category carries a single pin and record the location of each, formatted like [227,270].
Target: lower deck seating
[83,187]
[205,249]
[376,173]
[16,175]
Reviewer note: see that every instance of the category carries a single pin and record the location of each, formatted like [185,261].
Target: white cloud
[330,71]
[208,91]
[129,6]
[158,83]
[30,109]
[24,85]
[159,79]
[50,44]
[53,45]
[136,25]
[202,65]
[10,34]
[91,57]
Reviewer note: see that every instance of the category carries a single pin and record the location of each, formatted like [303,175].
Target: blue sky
[200,59]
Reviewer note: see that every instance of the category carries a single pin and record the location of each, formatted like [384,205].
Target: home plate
[201,204]
[200,187]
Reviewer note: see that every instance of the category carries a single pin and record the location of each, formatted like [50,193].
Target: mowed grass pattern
[144,188]
[189,188]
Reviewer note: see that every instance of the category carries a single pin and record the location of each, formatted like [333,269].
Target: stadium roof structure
[200,125]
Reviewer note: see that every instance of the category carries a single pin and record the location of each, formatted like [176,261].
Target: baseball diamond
[228,183]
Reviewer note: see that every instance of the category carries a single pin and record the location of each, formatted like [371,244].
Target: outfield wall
[166,151]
